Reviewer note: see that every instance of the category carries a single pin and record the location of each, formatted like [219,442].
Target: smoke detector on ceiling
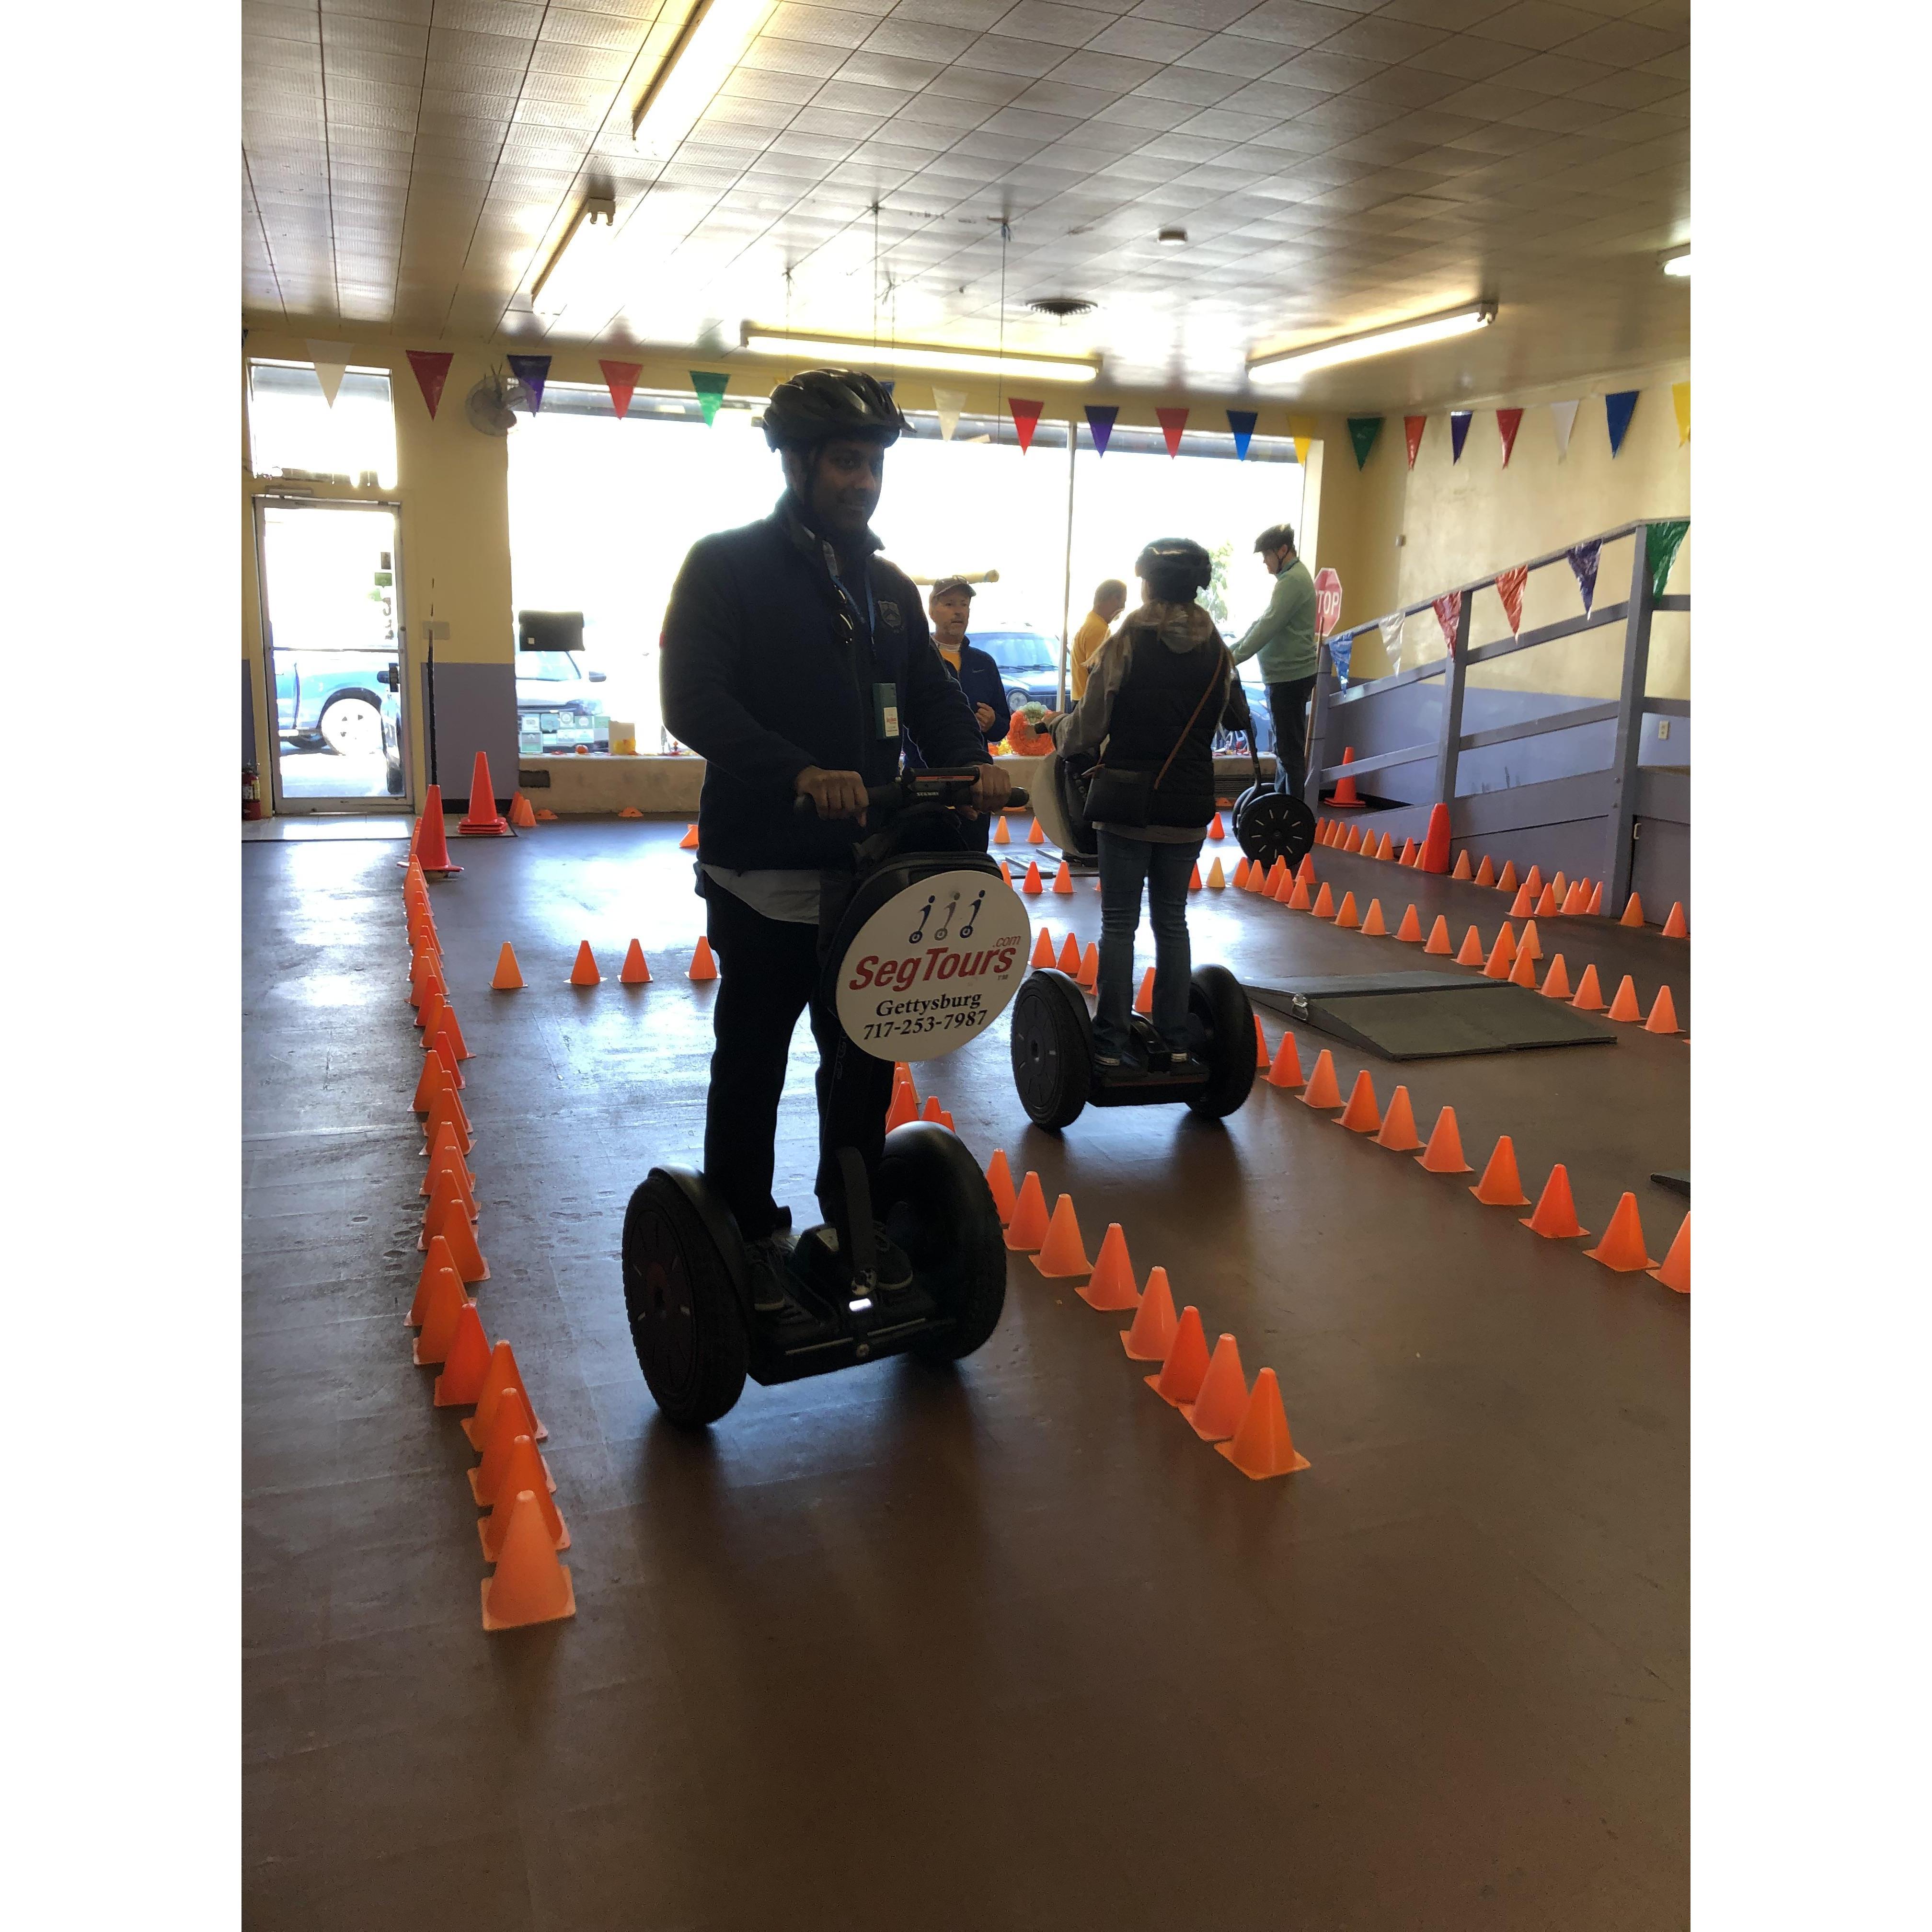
[1061,307]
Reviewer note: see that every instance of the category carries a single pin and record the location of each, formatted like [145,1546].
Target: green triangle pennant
[1661,543]
[710,386]
[1363,431]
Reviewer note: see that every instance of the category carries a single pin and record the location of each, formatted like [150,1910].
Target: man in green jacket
[1284,637]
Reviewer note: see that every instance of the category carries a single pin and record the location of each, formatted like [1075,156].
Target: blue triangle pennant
[1459,433]
[1100,424]
[1242,422]
[532,371]
[1583,561]
[1618,408]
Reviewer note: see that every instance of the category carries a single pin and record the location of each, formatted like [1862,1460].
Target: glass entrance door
[332,621]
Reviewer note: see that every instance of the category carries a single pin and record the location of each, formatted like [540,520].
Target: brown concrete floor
[1007,1648]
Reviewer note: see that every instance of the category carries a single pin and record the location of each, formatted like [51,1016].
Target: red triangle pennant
[1508,421]
[621,379]
[1449,615]
[1509,588]
[1412,427]
[432,371]
[1026,419]
[1172,422]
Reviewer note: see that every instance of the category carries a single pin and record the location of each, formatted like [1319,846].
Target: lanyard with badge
[885,697]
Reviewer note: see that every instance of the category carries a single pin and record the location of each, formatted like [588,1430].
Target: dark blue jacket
[764,671]
[979,677]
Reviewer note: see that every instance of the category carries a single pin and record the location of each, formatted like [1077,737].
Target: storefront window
[295,433]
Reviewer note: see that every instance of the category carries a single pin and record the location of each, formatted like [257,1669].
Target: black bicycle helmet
[1174,568]
[818,404]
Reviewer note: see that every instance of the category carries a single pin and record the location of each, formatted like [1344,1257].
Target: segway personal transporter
[931,947]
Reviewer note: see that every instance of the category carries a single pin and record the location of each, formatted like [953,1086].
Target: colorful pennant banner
[1363,431]
[1026,419]
[1680,401]
[1242,422]
[951,405]
[1509,588]
[710,385]
[533,372]
[621,379]
[1391,628]
[1100,420]
[1661,543]
[1618,407]
[1449,614]
[331,364]
[1459,421]
[1508,421]
[1563,418]
[1412,427]
[1172,422]
[432,371]
[1583,560]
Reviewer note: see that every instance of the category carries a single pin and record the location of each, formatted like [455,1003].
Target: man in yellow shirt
[1109,601]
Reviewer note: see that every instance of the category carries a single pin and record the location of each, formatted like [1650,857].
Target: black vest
[1150,709]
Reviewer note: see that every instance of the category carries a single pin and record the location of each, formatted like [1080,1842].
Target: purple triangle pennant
[532,371]
[1242,422]
[1583,562]
[1459,433]
[1100,419]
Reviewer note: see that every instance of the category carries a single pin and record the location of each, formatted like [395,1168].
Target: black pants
[768,973]
[1287,704]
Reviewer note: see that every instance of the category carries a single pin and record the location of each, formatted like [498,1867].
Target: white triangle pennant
[950,403]
[331,364]
[1391,630]
[1563,416]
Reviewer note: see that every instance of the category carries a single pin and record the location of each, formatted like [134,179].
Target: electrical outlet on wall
[1663,727]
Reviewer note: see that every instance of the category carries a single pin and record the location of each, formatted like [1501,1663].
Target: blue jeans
[1126,864]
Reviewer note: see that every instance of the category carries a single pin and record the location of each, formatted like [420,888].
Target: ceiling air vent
[1061,307]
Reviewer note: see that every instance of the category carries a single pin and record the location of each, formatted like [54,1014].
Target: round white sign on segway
[934,966]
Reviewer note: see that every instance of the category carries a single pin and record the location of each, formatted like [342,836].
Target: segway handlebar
[946,787]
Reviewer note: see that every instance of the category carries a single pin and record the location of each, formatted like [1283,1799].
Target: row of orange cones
[1002,833]
[636,971]
[523,1529]
[1555,1215]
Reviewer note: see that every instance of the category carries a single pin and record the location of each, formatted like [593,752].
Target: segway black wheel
[687,1320]
[1053,1048]
[937,1206]
[1271,825]
[1219,1004]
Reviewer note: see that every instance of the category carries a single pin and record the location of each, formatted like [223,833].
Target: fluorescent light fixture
[834,352]
[582,260]
[1678,264]
[1375,342]
[710,43]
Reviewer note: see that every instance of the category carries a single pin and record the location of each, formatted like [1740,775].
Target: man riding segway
[793,658]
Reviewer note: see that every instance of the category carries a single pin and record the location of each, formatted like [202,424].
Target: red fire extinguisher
[251,793]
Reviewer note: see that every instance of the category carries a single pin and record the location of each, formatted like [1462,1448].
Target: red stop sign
[1328,602]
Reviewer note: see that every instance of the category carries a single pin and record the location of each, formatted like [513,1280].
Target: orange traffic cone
[1112,1286]
[506,979]
[447,1183]
[1000,1179]
[629,812]
[1006,873]
[1034,835]
[1523,973]
[1575,901]
[584,973]
[526,1473]
[483,819]
[1064,1252]
[435,1077]
[1632,913]
[432,844]
[1069,957]
[452,1223]
[1486,873]
[1353,843]
[1501,1186]
[1523,904]
[1063,879]
[1217,879]
[1437,942]
[1373,927]
[443,1152]
[1260,1047]
[1151,1337]
[1533,885]
[1257,881]
[1502,955]
[1624,1005]
[1361,1115]
[445,1106]
[504,1376]
[1324,907]
[1345,792]
[510,1419]
[545,816]
[1470,953]
[1186,1366]
[1090,967]
[530,1586]
[1216,1412]
[1323,1089]
[1589,997]
[1031,885]
[704,966]
[440,1049]
[1556,981]
[1410,852]
[1286,1070]
[1298,899]
[1271,879]
[1675,926]
[1144,999]
[438,1259]
[1555,1216]
[904,1106]
[1559,885]
[1217,830]
[447,1029]
[460,1384]
[1548,905]
[1675,1271]
[522,815]
[442,1303]
[1621,1248]
[1462,870]
[1027,1226]
[1530,943]
[1398,1134]
[635,972]
[932,1110]
[1261,1446]
[689,843]
[1042,948]
[1410,931]
[1506,878]
[1663,1013]
[1444,1153]
[1385,847]
[1241,873]
[1347,919]
[429,1013]
[1305,872]
[1001,836]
